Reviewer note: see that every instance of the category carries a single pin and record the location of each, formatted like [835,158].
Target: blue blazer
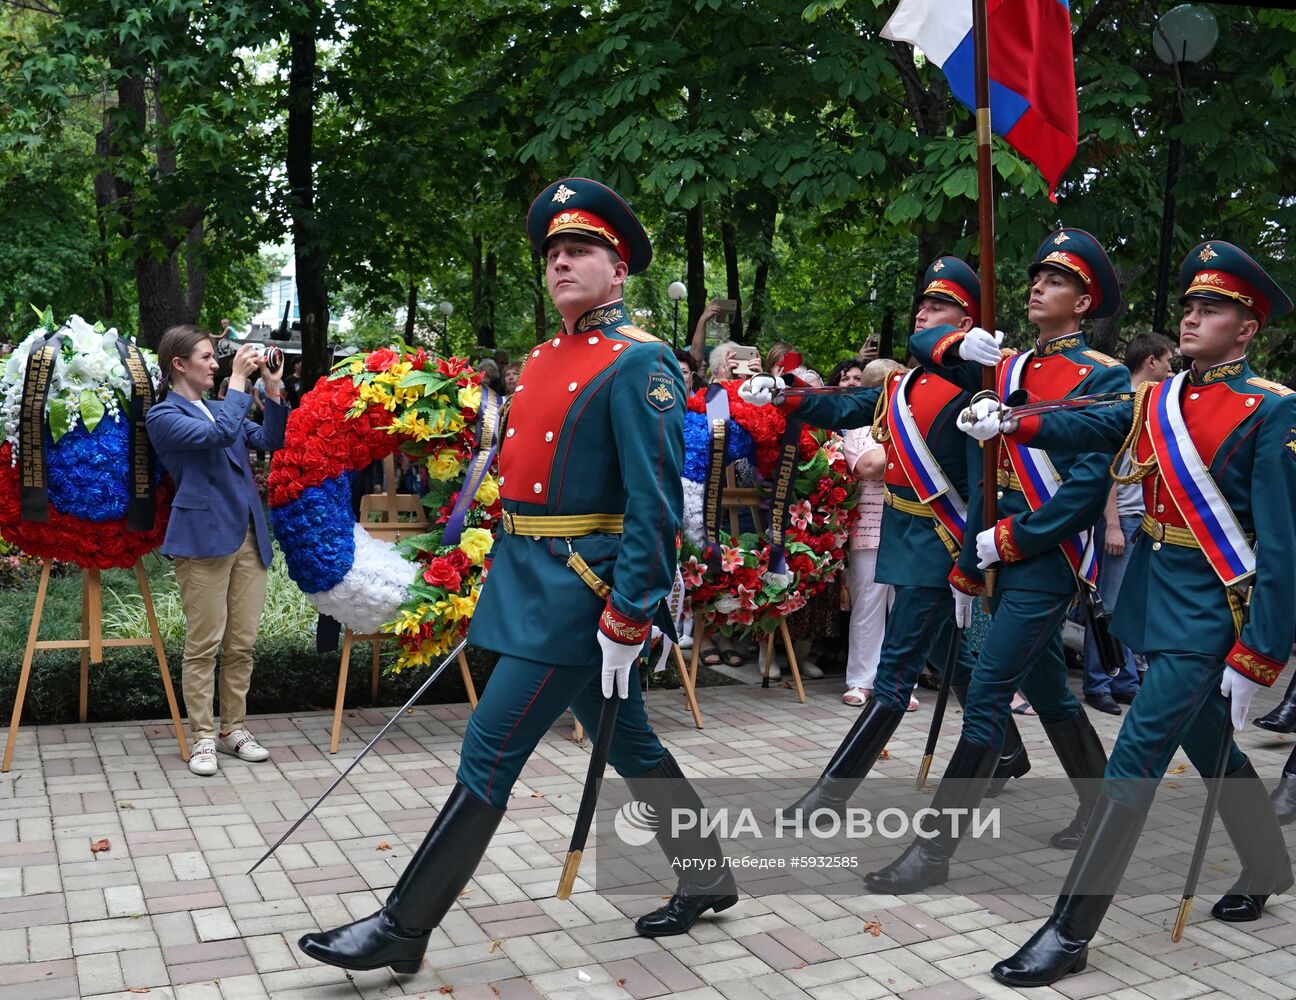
[208,461]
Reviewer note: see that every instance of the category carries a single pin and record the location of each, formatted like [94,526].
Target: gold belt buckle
[508,522]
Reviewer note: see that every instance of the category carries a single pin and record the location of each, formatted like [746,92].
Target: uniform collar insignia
[1218,373]
[612,314]
[1059,344]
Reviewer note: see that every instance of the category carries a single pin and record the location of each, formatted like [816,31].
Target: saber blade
[360,756]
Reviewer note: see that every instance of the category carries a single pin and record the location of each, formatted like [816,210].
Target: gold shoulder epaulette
[1276,387]
[634,333]
[1106,360]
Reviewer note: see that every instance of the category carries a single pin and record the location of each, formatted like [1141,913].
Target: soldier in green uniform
[590,480]
[1207,597]
[926,482]
[1048,503]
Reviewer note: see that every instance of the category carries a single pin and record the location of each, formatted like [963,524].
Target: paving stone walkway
[167,912]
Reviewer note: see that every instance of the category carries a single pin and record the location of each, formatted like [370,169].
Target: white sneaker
[202,759]
[810,669]
[243,745]
[774,671]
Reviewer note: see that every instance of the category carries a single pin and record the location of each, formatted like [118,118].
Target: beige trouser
[223,598]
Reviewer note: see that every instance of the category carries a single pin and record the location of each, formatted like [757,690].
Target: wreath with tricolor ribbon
[79,482]
[424,588]
[745,585]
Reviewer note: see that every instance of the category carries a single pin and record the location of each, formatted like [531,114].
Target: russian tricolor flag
[1032,69]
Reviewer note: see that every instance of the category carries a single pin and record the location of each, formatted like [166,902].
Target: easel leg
[466,674]
[83,697]
[155,633]
[687,683]
[375,661]
[769,660]
[699,637]
[28,654]
[343,668]
[791,655]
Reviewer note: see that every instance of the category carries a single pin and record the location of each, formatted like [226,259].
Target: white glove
[761,390]
[962,608]
[981,346]
[1239,689]
[987,550]
[982,420]
[618,660]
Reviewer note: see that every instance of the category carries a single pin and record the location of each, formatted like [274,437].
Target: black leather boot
[925,862]
[1249,818]
[397,935]
[1283,718]
[1061,946]
[1284,796]
[1083,759]
[1013,761]
[852,761]
[665,788]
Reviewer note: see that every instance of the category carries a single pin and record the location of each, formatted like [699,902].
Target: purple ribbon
[488,421]
[781,501]
[717,411]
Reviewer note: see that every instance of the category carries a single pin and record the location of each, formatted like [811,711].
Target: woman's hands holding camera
[251,357]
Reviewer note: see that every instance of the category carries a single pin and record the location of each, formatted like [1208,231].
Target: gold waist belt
[914,507]
[1169,533]
[563,525]
[1008,480]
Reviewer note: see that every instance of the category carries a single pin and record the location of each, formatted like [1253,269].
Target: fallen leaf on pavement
[621,982]
[1178,770]
[885,754]
[495,943]
[873,927]
[139,989]
[125,805]
[447,990]
[383,846]
[99,846]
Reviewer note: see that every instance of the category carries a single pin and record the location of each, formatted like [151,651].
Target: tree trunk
[485,271]
[487,336]
[105,190]
[309,246]
[764,255]
[695,274]
[539,296]
[411,307]
[195,273]
[729,238]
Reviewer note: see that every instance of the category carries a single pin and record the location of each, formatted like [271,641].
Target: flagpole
[985,208]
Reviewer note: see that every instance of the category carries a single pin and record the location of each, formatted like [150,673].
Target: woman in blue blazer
[217,533]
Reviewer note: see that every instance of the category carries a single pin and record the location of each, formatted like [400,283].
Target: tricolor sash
[488,426]
[1193,490]
[920,467]
[1039,480]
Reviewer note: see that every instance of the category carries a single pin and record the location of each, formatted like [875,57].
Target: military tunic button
[593,340]
[571,386]
[1039,364]
[511,431]
[1001,494]
[1156,546]
[617,347]
[922,381]
[1194,395]
[1084,371]
[548,435]
[1250,401]
[501,480]
[556,341]
[890,465]
[537,488]
[535,353]
[1160,508]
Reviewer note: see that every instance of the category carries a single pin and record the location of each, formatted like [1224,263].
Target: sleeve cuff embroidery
[619,628]
[1246,661]
[1008,550]
[961,581]
[944,344]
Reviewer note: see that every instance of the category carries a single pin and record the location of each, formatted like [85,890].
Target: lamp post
[445,308]
[676,290]
[1185,34]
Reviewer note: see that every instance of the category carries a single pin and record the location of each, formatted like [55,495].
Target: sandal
[913,704]
[857,696]
[711,657]
[732,658]
[1023,709]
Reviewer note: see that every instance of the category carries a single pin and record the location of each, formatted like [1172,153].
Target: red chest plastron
[928,395]
[1052,377]
[557,373]
[1211,413]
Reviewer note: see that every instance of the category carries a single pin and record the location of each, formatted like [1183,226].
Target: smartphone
[725,306]
[747,360]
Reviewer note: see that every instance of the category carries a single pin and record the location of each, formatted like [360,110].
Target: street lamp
[1185,34]
[445,308]
[676,290]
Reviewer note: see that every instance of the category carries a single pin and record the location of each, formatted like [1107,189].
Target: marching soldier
[926,481]
[1048,502]
[590,478]
[1215,450]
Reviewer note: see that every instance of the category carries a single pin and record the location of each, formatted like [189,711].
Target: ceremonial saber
[938,713]
[1074,403]
[589,797]
[360,756]
[1207,821]
[986,239]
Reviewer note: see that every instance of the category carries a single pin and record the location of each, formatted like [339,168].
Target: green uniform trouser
[919,627]
[1179,705]
[1022,652]
[522,700]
